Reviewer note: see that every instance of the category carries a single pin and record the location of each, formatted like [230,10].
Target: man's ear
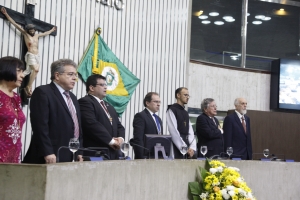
[91,88]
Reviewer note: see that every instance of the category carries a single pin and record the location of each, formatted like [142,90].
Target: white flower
[224,191]
[220,169]
[242,192]
[231,193]
[226,196]
[230,187]
[249,195]
[214,184]
[203,195]
[234,168]
[213,170]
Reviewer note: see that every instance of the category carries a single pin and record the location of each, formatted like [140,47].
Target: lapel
[59,96]
[238,121]
[211,121]
[152,120]
[100,109]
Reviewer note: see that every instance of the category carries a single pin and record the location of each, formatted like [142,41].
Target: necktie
[214,121]
[244,124]
[157,123]
[105,109]
[73,114]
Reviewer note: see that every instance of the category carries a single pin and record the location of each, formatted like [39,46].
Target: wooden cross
[24,19]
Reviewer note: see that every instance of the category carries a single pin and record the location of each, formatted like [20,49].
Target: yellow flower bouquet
[219,182]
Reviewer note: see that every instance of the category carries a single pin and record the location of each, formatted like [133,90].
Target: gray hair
[205,103]
[237,101]
[58,66]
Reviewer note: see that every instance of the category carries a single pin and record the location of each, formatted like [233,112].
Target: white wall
[224,85]
[149,37]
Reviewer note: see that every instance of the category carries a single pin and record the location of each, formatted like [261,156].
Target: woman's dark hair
[8,68]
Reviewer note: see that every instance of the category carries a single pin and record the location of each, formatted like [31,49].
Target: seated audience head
[64,73]
[241,105]
[96,86]
[152,101]
[182,95]
[11,71]
[209,107]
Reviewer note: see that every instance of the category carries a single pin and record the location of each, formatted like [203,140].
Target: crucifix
[29,52]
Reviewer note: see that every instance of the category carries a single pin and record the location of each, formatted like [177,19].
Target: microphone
[137,145]
[98,153]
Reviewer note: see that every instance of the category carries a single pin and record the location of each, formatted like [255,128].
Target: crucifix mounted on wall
[31,54]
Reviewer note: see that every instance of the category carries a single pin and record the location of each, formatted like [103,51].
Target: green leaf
[194,188]
[207,165]
[203,173]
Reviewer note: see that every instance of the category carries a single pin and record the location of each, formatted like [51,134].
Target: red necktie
[105,109]
[244,125]
[73,114]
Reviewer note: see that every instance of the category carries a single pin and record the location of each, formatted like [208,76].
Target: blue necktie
[157,123]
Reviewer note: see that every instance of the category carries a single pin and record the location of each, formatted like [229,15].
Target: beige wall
[224,85]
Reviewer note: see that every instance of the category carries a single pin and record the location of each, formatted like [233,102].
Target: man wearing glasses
[180,127]
[100,123]
[146,122]
[208,129]
[55,116]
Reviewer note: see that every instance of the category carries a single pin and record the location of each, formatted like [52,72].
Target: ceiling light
[205,22]
[214,14]
[256,22]
[218,23]
[266,18]
[234,57]
[248,14]
[230,20]
[281,9]
[203,17]
[259,16]
[227,17]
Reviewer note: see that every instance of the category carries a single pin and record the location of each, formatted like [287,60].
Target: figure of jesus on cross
[32,55]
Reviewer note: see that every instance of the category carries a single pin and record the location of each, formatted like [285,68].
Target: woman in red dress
[12,117]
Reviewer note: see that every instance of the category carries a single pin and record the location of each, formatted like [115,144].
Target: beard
[244,112]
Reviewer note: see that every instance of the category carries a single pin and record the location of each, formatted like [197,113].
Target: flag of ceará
[99,59]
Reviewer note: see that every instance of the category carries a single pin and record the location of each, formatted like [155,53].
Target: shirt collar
[239,114]
[61,90]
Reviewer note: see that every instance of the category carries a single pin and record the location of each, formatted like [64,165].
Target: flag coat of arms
[99,59]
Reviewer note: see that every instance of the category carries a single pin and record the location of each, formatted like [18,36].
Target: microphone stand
[134,144]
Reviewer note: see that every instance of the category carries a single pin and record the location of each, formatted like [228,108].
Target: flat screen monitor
[152,139]
[285,84]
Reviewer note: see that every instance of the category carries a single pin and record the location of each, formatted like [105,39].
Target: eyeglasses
[71,74]
[101,84]
[213,106]
[187,95]
[158,102]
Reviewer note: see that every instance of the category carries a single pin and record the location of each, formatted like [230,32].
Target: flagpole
[97,32]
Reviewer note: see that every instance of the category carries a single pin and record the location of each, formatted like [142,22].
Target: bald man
[237,133]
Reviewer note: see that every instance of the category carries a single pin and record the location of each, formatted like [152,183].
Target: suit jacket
[209,135]
[97,129]
[52,124]
[235,137]
[143,123]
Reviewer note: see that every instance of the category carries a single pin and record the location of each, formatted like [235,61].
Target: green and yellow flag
[99,59]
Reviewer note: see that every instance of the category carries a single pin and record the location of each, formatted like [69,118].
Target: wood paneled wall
[276,131]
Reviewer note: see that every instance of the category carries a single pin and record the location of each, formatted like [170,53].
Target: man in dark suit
[100,123]
[146,122]
[237,132]
[208,129]
[54,115]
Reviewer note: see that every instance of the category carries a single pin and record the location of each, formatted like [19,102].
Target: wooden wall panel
[276,131]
